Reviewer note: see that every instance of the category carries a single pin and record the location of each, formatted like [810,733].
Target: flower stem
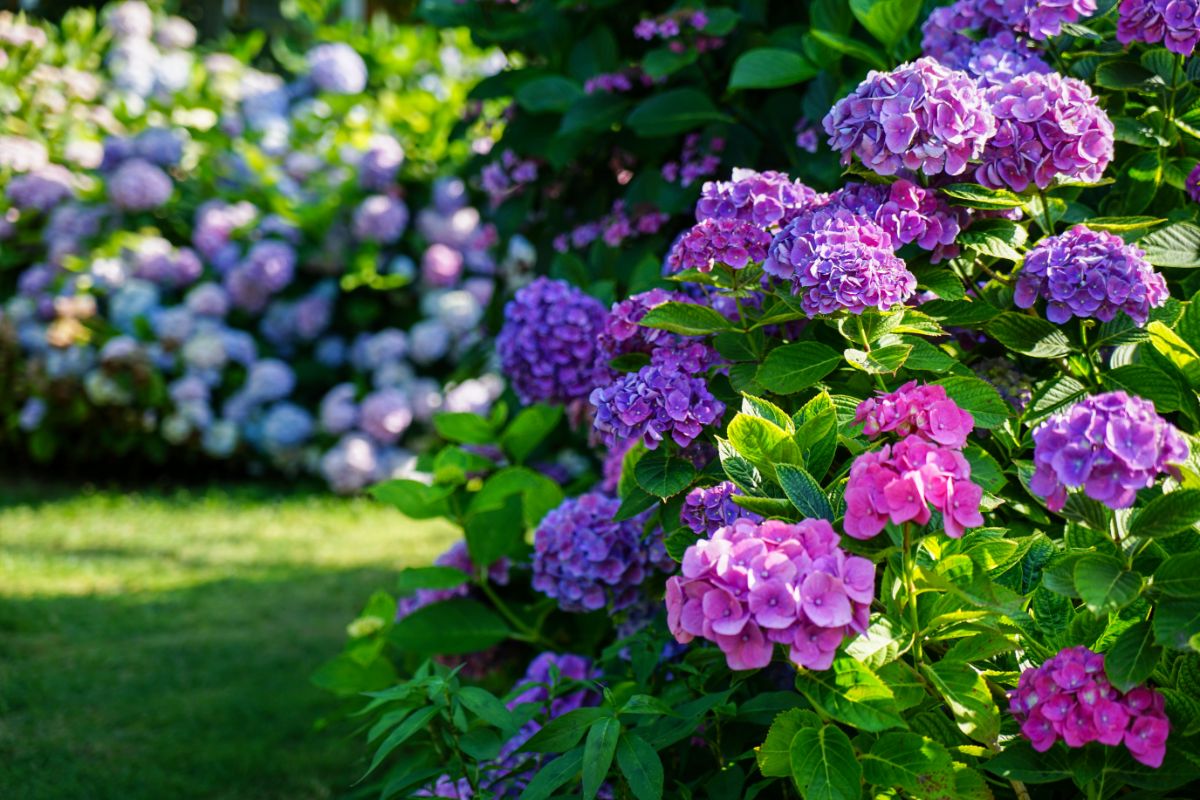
[866,343]
[527,634]
[909,564]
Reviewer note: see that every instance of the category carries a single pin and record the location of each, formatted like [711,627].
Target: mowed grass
[158,644]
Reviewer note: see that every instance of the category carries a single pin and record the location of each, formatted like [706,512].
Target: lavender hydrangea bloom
[1193,184]
[709,508]
[138,185]
[272,264]
[907,212]
[269,379]
[380,218]
[286,426]
[731,242]
[622,334]
[765,199]
[920,116]
[1001,58]
[548,343]
[1047,127]
[336,68]
[42,189]
[379,165]
[1174,23]
[1085,273]
[1110,444]
[1044,18]
[839,261]
[351,465]
[385,415]
[586,560]
[339,411]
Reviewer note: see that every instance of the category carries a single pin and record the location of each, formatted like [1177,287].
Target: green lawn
[158,645]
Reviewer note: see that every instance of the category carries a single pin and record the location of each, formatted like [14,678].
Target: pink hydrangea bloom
[925,411]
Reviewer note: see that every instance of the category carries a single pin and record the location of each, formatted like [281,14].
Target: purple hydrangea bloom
[379,165]
[380,218]
[269,379]
[336,68]
[271,264]
[1013,385]
[216,221]
[622,334]
[1174,23]
[131,19]
[1085,273]
[1044,19]
[385,415]
[42,189]
[706,509]
[138,185]
[839,261]
[286,426]
[339,411]
[1110,444]
[160,146]
[920,116]
[586,560]
[351,465]
[731,242]
[752,585]
[1069,697]
[665,398]
[1193,184]
[907,212]
[1001,58]
[549,342]
[1047,127]
[765,199]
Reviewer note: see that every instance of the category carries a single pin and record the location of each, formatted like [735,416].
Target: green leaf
[414,499]
[850,692]
[562,733]
[1104,584]
[770,68]
[904,759]
[413,578]
[978,397]
[403,732]
[765,409]
[663,61]
[673,112]
[662,474]
[1177,623]
[793,367]
[774,756]
[593,113]
[764,444]
[487,707]
[641,766]
[1168,514]
[967,695]
[989,244]
[688,319]
[1178,576]
[816,434]
[1132,657]
[1176,245]
[495,533]
[1149,382]
[528,429]
[851,47]
[1126,76]
[824,766]
[973,195]
[1031,336]
[539,494]
[598,752]
[552,775]
[1020,762]
[804,492]
[451,627]
[548,94]
[1122,224]
[1176,350]
[886,20]
[941,281]
[464,428]
[880,361]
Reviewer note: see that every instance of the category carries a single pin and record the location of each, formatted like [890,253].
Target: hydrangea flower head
[586,560]
[916,410]
[1047,127]
[752,585]
[907,212]
[706,509]
[41,189]
[1174,23]
[839,260]
[1089,274]
[764,199]
[900,483]
[548,343]
[1069,697]
[1044,19]
[1109,444]
[1193,184]
[920,116]
[138,185]
[336,68]
[380,218]
[731,242]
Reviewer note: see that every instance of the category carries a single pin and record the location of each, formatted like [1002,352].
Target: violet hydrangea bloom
[548,343]
[706,509]
[731,242]
[1070,698]
[336,68]
[586,560]
[899,483]
[916,410]
[1109,444]
[1001,58]
[907,212]
[1085,273]
[380,218]
[1044,19]
[1193,184]
[138,185]
[920,116]
[765,199]
[41,189]
[839,260]
[1047,127]
[622,335]
[752,585]
[385,415]
[1174,23]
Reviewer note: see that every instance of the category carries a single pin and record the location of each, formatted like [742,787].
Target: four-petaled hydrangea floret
[900,483]
[838,261]
[548,343]
[731,242]
[920,116]
[1070,698]
[917,410]
[907,212]
[1174,23]
[664,399]
[1089,274]
[709,508]
[1110,444]
[752,585]
[586,560]
[764,199]
[1047,127]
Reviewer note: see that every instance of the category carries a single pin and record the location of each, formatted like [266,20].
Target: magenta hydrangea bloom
[1193,184]
[899,483]
[1047,127]
[709,508]
[1174,23]
[765,199]
[916,410]
[920,116]
[549,342]
[839,260]
[752,585]
[1085,273]
[907,212]
[1110,444]
[586,560]
[1070,698]
[665,398]
[731,242]
[458,558]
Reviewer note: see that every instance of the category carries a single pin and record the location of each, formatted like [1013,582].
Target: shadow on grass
[193,693]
